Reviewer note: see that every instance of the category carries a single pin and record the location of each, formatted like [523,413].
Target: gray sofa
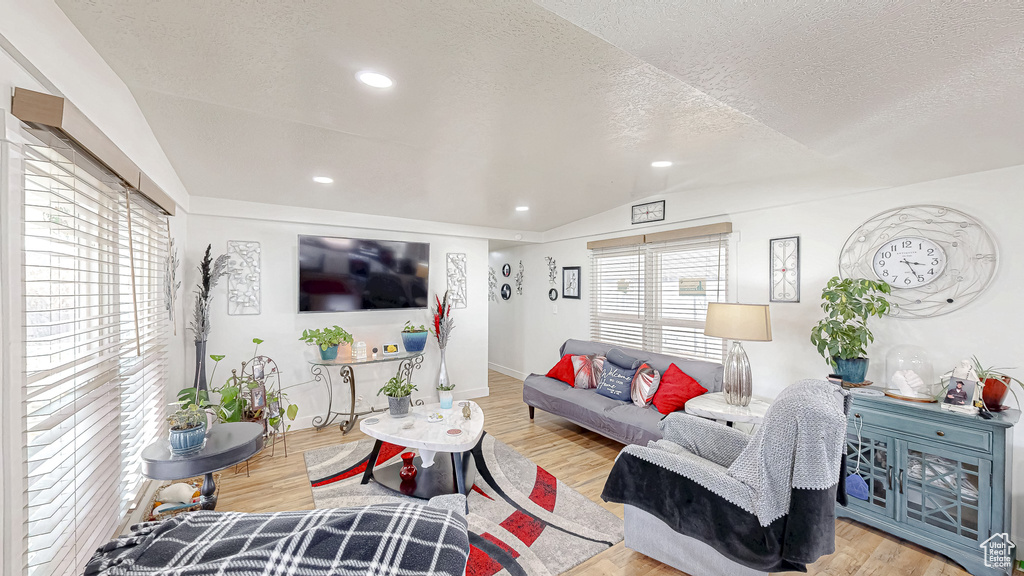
[623,422]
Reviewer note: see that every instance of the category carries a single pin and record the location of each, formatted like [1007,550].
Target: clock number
[908,244]
[935,261]
[908,281]
[885,272]
[888,254]
[881,262]
[931,251]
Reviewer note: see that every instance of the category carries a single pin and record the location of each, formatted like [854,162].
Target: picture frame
[784,269]
[571,278]
[959,395]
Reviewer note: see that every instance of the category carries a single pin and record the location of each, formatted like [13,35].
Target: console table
[321,370]
[937,478]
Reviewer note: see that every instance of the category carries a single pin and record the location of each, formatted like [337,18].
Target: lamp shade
[739,322]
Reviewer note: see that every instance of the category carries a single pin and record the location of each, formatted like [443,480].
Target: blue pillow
[616,382]
[622,360]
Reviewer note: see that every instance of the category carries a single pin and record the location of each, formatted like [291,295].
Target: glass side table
[321,370]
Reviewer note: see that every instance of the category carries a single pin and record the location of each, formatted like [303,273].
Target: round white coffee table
[454,435]
[713,405]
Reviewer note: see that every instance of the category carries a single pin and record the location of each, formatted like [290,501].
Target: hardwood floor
[577,457]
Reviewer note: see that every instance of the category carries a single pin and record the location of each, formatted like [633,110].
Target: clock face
[785,272]
[649,212]
[909,262]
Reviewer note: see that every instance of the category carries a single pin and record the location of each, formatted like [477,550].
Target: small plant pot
[414,341]
[853,370]
[446,398]
[994,392]
[329,354]
[187,441]
[399,407]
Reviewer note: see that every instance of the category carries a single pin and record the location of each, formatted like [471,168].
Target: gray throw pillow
[622,360]
[615,381]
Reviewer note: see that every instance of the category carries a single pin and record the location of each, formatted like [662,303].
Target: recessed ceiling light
[322,179]
[661,164]
[522,208]
[374,79]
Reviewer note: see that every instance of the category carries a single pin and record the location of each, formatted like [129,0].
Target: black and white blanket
[404,539]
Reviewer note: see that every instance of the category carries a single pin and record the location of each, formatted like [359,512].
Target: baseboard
[507,371]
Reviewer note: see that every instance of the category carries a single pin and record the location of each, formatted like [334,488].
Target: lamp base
[737,382]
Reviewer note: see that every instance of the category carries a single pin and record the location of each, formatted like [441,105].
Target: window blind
[95,351]
[655,296]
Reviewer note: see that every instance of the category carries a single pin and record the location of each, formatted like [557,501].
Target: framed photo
[784,272]
[571,282]
[960,392]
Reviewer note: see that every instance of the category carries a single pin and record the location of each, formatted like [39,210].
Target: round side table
[227,444]
[713,405]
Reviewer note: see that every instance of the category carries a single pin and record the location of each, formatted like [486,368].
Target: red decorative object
[675,390]
[994,393]
[408,471]
[563,371]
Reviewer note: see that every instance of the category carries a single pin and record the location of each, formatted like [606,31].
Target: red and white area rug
[522,520]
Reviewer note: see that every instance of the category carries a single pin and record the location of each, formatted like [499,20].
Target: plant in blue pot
[188,429]
[327,340]
[842,336]
[414,338]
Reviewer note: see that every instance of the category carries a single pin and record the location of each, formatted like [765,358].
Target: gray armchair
[711,500]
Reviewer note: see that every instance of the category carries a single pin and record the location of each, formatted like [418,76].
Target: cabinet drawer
[940,432]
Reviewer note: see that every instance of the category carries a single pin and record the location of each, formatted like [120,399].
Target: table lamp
[738,322]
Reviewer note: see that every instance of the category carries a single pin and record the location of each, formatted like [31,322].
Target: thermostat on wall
[391,349]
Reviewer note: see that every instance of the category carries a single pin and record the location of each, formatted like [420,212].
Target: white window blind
[95,351]
[655,296]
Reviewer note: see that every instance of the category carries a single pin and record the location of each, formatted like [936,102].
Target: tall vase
[200,380]
[442,373]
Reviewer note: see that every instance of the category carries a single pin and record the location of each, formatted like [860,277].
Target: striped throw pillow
[583,368]
[645,384]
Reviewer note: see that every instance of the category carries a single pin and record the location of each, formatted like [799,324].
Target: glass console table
[321,370]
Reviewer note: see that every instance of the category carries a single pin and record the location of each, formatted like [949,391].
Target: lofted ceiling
[562,106]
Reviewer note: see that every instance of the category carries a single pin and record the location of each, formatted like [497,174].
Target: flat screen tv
[346,274]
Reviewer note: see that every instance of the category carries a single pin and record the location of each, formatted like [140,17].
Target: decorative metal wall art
[244,278]
[492,284]
[457,292]
[784,256]
[552,270]
[171,283]
[519,278]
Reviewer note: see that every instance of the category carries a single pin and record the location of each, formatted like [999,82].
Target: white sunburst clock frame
[937,259]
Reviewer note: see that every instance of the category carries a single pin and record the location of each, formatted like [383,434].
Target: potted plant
[444,393]
[188,429]
[328,340]
[414,338]
[842,336]
[399,393]
[995,384]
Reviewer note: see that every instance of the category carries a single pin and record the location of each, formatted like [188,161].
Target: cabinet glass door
[872,451]
[945,493]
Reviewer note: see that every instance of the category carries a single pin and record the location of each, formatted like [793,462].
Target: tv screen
[346,274]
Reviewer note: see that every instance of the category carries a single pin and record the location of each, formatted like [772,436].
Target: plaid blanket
[403,539]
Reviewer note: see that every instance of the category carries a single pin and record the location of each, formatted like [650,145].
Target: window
[95,337]
[655,296]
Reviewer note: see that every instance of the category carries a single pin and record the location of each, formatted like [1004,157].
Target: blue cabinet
[936,478]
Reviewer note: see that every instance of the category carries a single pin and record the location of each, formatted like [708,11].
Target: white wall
[280,325]
[526,332]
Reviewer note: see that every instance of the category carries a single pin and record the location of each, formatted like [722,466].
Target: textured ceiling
[904,91]
[499,104]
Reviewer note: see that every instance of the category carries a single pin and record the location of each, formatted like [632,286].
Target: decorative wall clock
[936,259]
[648,212]
[506,291]
[784,258]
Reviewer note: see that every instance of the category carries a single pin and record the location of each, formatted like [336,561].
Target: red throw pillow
[563,370]
[675,390]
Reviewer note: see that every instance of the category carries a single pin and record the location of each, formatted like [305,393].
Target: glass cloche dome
[909,373]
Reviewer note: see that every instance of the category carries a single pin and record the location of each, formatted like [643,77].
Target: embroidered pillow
[583,371]
[562,370]
[615,382]
[675,389]
[645,384]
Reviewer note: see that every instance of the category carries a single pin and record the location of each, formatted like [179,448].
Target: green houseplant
[414,338]
[187,429]
[328,339]
[995,384]
[399,392]
[843,335]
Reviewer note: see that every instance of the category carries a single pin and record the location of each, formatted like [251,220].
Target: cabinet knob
[940,433]
[856,415]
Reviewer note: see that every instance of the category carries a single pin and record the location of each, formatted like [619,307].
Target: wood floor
[577,457]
